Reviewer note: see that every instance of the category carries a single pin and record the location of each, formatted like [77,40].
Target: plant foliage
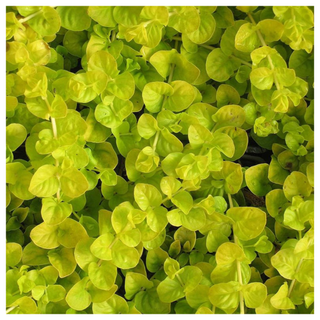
[130,187]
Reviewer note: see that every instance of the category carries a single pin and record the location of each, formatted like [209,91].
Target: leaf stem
[76,215]
[154,145]
[179,279]
[212,48]
[171,73]
[293,282]
[238,264]
[230,200]
[55,135]
[30,16]
[241,283]
[10,309]
[113,35]
[242,61]
[113,242]
[279,87]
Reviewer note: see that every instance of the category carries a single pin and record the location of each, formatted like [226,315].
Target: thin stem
[279,87]
[171,73]
[76,215]
[55,135]
[30,17]
[213,309]
[155,273]
[113,35]
[207,46]
[179,279]
[293,282]
[154,145]
[230,200]
[113,242]
[241,283]
[212,48]
[242,61]
[215,127]
[156,140]
[54,128]
[238,264]
[10,309]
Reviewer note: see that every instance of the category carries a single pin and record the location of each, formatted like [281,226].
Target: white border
[168,3]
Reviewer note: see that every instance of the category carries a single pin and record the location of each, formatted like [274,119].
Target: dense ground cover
[159,160]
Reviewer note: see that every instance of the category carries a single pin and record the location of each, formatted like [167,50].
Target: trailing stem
[279,87]
[238,264]
[293,282]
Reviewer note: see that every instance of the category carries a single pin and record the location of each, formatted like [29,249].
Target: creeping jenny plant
[131,187]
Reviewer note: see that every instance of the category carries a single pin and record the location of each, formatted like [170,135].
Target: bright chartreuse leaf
[254,294]
[257,179]
[147,196]
[54,212]
[281,300]
[248,223]
[225,295]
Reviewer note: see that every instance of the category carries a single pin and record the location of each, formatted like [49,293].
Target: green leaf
[124,257]
[285,261]
[154,94]
[280,300]
[54,212]
[122,86]
[249,222]
[147,126]
[102,275]
[271,29]
[296,184]
[184,19]
[45,182]
[254,294]
[170,290]
[74,18]
[134,283]
[100,246]
[257,179]
[56,293]
[78,297]
[182,97]
[13,254]
[83,255]
[15,135]
[103,15]
[262,78]
[147,196]
[225,295]
[229,252]
[219,66]
[47,22]
[114,305]
[148,302]
[45,236]
[111,115]
[183,200]
[63,260]
[246,38]
[24,305]
[231,115]
[70,232]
